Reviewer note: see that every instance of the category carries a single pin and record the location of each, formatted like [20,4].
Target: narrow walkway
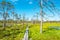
[26,34]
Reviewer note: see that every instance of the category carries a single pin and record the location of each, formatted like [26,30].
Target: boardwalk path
[26,34]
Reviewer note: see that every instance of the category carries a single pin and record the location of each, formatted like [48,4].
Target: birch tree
[48,5]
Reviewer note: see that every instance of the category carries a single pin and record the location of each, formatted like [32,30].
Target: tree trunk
[41,24]
[4,24]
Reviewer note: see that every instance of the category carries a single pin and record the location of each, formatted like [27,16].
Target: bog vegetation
[13,25]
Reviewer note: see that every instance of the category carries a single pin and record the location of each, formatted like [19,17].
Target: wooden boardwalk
[26,34]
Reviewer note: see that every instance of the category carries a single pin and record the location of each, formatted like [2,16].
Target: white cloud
[30,2]
[14,0]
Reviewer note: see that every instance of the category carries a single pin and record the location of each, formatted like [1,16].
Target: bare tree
[23,19]
[5,8]
[49,5]
[17,17]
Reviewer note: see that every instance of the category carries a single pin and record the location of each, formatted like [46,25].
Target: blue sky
[31,7]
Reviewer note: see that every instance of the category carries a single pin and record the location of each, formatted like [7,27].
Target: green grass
[48,33]
[16,32]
